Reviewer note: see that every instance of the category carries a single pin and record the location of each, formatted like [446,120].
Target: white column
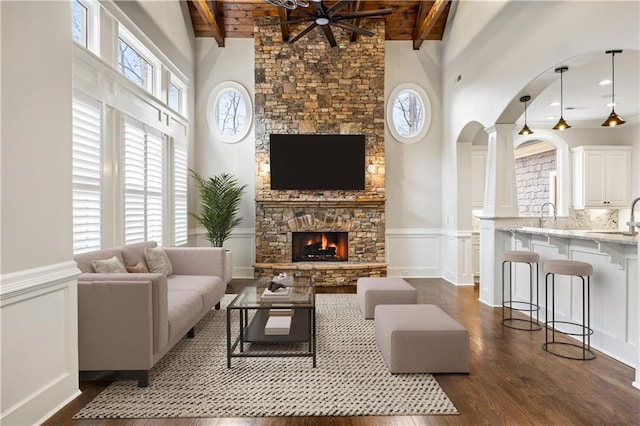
[500,196]
[500,201]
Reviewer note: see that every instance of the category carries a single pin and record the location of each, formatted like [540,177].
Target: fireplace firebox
[320,246]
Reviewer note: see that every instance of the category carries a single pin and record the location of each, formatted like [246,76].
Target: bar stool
[576,269]
[529,258]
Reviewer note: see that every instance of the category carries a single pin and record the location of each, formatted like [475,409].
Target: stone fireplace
[310,88]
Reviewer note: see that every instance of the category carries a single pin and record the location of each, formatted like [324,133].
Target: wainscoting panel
[413,253]
[39,342]
[241,243]
[457,262]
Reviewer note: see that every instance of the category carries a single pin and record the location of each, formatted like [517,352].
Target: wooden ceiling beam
[427,20]
[357,7]
[215,29]
[283,14]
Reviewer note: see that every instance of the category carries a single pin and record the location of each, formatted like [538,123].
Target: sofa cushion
[184,309]
[133,253]
[139,268]
[108,266]
[85,260]
[210,288]
[157,260]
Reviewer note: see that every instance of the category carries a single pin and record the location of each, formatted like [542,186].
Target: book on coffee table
[281,294]
[277,325]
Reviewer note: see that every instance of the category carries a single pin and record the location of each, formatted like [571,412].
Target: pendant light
[561,124]
[525,130]
[613,120]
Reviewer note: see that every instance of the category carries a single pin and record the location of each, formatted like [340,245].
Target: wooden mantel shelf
[355,203]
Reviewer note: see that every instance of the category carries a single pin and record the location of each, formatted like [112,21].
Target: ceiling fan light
[561,125]
[322,20]
[613,120]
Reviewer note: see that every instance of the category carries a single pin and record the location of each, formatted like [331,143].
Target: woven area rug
[351,378]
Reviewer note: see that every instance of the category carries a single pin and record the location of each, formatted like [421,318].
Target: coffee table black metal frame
[252,313]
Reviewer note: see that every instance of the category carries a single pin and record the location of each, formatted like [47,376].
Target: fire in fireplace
[320,246]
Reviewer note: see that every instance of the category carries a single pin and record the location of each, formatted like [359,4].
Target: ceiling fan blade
[290,21]
[303,32]
[353,28]
[338,7]
[362,14]
[329,34]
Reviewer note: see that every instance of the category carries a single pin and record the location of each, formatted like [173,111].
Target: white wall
[214,65]
[412,171]
[38,301]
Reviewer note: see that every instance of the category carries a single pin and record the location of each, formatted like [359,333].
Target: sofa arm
[200,261]
[122,320]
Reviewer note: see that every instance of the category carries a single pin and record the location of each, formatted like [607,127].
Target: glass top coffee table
[251,311]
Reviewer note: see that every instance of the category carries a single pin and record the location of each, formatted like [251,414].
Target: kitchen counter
[606,236]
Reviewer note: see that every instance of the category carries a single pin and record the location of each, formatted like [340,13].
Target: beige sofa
[128,321]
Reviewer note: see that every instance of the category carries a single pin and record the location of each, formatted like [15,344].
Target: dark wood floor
[512,380]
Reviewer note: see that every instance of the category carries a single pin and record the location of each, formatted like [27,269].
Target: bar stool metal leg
[508,302]
[563,348]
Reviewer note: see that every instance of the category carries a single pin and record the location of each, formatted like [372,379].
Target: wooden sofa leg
[191,333]
[217,306]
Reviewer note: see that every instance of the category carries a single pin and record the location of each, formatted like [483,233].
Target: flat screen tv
[317,162]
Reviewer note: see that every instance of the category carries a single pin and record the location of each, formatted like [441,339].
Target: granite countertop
[608,236]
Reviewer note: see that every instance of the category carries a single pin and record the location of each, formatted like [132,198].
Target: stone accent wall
[311,88]
[532,181]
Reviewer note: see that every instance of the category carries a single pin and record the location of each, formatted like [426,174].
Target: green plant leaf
[220,197]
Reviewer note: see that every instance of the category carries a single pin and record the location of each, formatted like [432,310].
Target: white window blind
[143,183]
[180,177]
[86,174]
[154,187]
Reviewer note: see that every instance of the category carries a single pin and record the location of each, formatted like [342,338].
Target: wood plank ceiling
[410,20]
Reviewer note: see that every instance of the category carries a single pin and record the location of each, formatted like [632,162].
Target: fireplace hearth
[320,246]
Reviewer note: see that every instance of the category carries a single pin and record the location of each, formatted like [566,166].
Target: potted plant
[220,197]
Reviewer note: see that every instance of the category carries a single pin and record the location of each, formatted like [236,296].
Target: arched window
[408,113]
[229,112]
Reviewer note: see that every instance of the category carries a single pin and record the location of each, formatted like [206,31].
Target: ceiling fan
[324,17]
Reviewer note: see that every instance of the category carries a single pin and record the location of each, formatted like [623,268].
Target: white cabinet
[478,173]
[601,176]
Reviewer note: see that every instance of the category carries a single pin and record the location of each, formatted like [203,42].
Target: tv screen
[317,162]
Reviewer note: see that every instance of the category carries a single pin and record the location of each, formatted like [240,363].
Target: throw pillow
[157,260]
[108,266]
[138,268]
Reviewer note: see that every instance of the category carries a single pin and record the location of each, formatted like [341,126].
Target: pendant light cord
[613,80]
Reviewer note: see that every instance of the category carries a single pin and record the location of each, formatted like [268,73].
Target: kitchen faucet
[632,229]
[549,203]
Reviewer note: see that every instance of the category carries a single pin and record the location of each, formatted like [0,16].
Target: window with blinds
[86,174]
[180,214]
[143,183]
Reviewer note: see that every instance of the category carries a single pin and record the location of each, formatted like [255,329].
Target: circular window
[408,113]
[229,112]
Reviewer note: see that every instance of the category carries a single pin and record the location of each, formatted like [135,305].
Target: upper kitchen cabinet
[601,176]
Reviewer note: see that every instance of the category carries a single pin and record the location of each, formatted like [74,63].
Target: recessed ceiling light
[554,103]
[604,82]
[550,117]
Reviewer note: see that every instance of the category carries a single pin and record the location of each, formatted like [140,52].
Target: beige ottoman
[421,339]
[383,290]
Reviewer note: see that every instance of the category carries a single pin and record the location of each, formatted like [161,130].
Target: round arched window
[229,112]
[408,113]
